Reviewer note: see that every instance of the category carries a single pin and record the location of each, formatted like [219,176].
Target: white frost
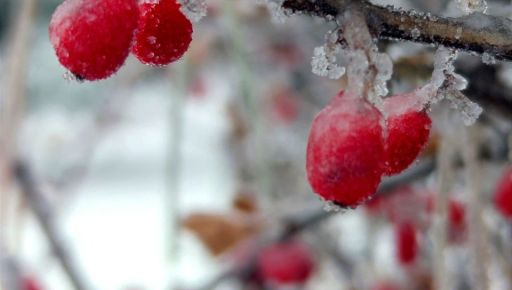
[324,58]
[193,9]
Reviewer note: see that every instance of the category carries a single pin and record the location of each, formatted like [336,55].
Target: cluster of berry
[352,145]
[156,32]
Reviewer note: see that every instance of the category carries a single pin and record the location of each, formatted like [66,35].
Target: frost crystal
[323,62]
[193,9]
[276,9]
[470,6]
[445,83]
[415,33]
[488,58]
[470,111]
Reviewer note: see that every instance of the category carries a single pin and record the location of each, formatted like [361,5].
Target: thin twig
[31,191]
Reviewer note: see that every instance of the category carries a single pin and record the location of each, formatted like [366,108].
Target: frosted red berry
[164,33]
[344,159]
[408,130]
[406,243]
[503,194]
[92,38]
[286,262]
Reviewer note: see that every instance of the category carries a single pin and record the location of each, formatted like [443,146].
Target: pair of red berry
[351,145]
[92,38]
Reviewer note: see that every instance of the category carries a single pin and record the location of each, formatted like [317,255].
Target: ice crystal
[470,6]
[193,9]
[324,58]
[276,9]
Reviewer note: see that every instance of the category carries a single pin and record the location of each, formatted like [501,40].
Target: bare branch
[478,33]
[43,214]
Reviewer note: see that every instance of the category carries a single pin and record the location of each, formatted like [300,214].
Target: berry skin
[164,33]
[503,194]
[286,262]
[92,38]
[344,154]
[408,130]
[406,243]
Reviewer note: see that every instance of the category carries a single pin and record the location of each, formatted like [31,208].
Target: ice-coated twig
[43,212]
[477,32]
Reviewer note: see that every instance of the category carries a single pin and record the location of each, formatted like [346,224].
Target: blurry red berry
[386,285]
[164,33]
[92,38]
[503,194]
[408,130]
[406,243]
[287,262]
[345,151]
[285,107]
[30,283]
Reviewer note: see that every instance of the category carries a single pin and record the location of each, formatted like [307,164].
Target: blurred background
[185,176]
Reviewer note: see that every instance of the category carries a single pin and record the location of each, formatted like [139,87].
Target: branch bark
[477,33]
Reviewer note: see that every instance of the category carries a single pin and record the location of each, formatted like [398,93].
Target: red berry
[386,285]
[164,32]
[285,108]
[287,262]
[344,153]
[30,283]
[408,129]
[503,194]
[92,38]
[406,243]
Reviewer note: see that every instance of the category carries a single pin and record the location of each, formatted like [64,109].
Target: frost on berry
[286,262]
[324,58]
[503,194]
[408,129]
[195,10]
[406,243]
[92,38]
[164,33]
[344,152]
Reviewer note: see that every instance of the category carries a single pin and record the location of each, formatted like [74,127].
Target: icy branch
[477,32]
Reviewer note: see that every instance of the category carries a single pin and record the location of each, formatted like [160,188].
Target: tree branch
[43,214]
[478,33]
